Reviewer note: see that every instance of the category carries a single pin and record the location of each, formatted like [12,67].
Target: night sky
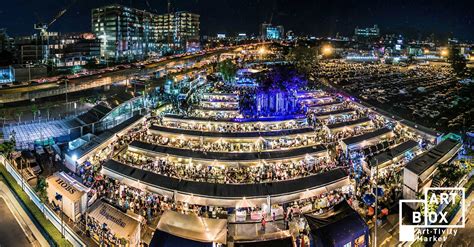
[413,18]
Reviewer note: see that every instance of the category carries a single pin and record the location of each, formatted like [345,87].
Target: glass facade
[128,33]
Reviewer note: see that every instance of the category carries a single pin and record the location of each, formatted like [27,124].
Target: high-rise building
[6,42]
[128,33]
[177,29]
[125,33]
[271,32]
[367,32]
[59,49]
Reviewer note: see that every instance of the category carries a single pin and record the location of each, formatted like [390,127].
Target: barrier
[69,233]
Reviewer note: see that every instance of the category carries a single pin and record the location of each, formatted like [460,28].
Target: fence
[69,233]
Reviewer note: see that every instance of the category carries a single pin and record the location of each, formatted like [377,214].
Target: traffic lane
[107,75]
[464,236]
[11,233]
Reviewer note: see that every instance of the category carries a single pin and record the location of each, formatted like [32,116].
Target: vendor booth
[105,218]
[65,192]
[340,226]
[175,229]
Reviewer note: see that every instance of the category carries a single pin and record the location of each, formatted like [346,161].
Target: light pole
[376,198]
[21,174]
[29,72]
[59,197]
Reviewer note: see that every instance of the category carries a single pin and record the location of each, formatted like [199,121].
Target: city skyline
[416,19]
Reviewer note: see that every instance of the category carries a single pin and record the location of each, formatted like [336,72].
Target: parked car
[31,162]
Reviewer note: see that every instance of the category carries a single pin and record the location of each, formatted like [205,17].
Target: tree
[411,59]
[91,64]
[284,78]
[457,60]
[7,148]
[41,187]
[304,58]
[228,70]
[34,110]
[18,115]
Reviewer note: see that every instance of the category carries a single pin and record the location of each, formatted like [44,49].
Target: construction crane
[43,27]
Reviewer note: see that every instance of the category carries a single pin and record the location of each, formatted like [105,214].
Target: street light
[376,198]
[59,197]
[444,52]
[327,50]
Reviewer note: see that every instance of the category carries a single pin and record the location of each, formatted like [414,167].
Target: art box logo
[434,211]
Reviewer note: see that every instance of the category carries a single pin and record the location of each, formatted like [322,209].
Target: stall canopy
[121,224]
[338,227]
[368,199]
[285,242]
[164,239]
[190,229]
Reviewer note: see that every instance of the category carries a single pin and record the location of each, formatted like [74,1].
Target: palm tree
[34,110]
[18,115]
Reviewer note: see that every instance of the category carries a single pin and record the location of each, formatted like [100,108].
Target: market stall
[175,229]
[67,194]
[104,221]
[340,226]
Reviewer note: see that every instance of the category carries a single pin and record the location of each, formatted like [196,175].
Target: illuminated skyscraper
[176,29]
[271,32]
[125,33]
[128,33]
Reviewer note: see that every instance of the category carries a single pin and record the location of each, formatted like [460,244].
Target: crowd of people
[264,172]
[261,144]
[232,127]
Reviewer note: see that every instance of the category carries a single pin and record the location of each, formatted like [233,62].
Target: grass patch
[469,186]
[54,233]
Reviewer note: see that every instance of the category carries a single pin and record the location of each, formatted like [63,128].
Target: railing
[69,233]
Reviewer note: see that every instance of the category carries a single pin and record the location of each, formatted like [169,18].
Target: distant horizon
[412,19]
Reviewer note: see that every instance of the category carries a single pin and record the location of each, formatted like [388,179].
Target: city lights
[262,50]
[444,53]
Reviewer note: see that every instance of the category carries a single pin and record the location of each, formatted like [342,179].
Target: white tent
[194,227]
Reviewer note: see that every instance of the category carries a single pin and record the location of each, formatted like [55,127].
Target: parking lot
[429,94]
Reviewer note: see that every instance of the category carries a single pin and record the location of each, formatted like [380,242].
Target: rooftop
[428,159]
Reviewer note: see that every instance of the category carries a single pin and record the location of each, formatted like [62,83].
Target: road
[16,228]
[31,92]
[11,233]
[464,237]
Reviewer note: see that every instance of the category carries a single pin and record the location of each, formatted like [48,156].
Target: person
[273,217]
[298,240]
[263,224]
